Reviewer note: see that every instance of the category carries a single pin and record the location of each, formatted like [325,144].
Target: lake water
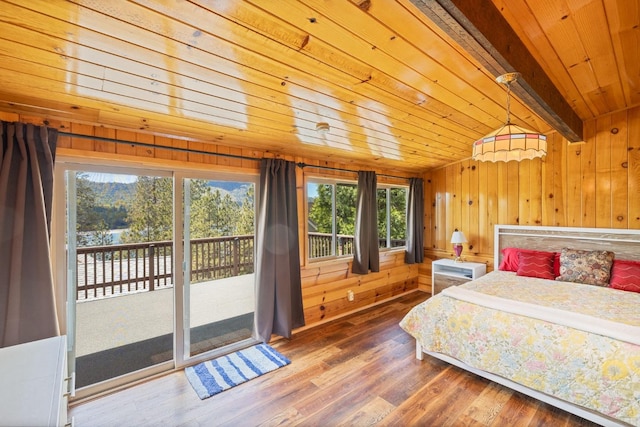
[116,234]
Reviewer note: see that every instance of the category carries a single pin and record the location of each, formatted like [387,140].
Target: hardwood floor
[356,371]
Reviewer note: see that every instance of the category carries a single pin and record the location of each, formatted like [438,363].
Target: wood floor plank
[486,407]
[370,414]
[407,384]
[430,405]
[358,370]
[519,410]
[356,382]
[288,416]
[464,395]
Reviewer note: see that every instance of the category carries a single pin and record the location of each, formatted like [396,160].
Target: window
[392,216]
[331,218]
[332,215]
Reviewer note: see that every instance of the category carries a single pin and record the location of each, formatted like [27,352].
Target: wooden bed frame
[624,243]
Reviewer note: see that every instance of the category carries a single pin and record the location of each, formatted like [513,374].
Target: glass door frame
[61,269]
[181,298]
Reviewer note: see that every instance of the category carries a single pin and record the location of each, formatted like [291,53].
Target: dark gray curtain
[365,249]
[278,283]
[415,222]
[27,298]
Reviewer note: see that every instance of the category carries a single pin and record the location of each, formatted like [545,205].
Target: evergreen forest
[144,209]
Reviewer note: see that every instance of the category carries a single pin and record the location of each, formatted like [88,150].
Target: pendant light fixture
[510,142]
[322,128]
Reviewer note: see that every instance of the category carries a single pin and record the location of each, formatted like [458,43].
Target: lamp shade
[458,237]
[510,142]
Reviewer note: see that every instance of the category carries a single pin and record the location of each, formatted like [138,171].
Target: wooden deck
[117,321]
[355,371]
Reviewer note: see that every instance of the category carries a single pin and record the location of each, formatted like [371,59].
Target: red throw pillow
[556,264]
[510,259]
[625,275]
[536,264]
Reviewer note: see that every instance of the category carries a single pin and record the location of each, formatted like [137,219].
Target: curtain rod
[189,150]
[304,165]
[147,145]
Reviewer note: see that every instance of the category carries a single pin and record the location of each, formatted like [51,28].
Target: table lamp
[457,238]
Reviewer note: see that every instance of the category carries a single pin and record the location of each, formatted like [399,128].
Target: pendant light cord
[508,102]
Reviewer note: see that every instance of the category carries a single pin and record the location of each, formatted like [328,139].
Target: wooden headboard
[625,244]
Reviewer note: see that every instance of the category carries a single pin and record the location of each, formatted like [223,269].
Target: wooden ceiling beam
[479,27]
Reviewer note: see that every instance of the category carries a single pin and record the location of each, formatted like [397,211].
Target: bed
[570,344]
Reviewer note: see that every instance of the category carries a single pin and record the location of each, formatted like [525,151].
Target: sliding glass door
[158,269]
[119,283]
[219,297]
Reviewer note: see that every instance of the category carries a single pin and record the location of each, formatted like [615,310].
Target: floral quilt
[546,352]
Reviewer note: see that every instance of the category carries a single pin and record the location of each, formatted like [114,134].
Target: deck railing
[320,244]
[119,269]
[104,271]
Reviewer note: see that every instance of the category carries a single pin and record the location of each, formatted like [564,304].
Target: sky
[110,177]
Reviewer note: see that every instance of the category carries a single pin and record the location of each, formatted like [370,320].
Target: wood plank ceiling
[396,90]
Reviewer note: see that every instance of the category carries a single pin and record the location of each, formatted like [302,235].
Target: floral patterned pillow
[589,267]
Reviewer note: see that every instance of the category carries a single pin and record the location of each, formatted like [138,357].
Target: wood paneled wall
[324,284]
[595,184]
[592,184]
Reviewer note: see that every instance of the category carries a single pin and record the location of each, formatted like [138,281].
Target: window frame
[388,187]
[335,181]
[322,180]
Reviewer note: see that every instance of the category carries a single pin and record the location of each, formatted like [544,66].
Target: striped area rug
[217,375]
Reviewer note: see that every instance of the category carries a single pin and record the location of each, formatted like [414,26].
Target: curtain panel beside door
[278,283]
[27,295]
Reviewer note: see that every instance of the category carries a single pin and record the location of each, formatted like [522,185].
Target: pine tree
[246,218]
[151,211]
[199,205]
[86,217]
[101,236]
[213,214]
